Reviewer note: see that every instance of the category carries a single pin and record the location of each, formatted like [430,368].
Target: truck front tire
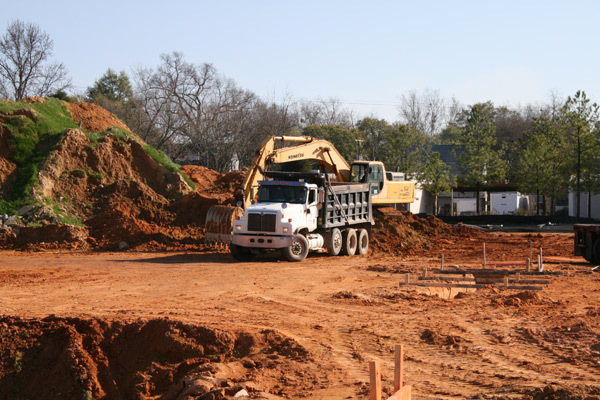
[363,242]
[297,251]
[241,253]
[350,242]
[335,242]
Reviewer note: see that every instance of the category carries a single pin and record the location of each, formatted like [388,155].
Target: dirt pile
[119,192]
[402,233]
[212,188]
[93,118]
[93,358]
[107,185]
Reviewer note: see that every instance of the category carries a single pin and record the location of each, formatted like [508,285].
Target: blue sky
[365,54]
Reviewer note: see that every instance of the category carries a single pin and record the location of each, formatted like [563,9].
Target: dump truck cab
[282,209]
[297,212]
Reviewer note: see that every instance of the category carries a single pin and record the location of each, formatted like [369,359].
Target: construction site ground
[301,330]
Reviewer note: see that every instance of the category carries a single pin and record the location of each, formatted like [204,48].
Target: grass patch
[166,162]
[35,133]
[34,138]
[9,207]
[61,215]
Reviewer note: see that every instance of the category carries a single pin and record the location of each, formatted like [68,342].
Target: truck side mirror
[320,195]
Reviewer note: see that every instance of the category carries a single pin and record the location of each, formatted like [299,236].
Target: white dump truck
[298,212]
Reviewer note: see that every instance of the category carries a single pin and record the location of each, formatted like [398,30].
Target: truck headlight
[286,229]
[238,227]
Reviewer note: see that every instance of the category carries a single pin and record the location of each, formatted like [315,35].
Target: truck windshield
[282,194]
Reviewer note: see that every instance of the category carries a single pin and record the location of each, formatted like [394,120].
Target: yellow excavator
[388,189]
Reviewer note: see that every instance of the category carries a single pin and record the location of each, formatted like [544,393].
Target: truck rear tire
[350,242]
[241,253]
[335,242]
[297,251]
[363,242]
[596,251]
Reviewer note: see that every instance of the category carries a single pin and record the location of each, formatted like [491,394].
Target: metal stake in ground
[484,262]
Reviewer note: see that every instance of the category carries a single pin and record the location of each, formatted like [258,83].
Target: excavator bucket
[219,222]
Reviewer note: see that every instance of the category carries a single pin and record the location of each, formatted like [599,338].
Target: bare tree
[25,69]
[191,108]
[324,112]
[426,112]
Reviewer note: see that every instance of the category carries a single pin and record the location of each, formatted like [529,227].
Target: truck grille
[262,223]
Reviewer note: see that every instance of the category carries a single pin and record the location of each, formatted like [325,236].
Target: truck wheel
[334,244]
[596,251]
[350,242]
[363,241]
[241,253]
[298,250]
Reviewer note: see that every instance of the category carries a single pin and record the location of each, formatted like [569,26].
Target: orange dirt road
[346,311]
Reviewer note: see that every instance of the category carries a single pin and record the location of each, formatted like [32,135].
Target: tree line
[186,109]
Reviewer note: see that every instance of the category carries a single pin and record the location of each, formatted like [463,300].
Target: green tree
[480,163]
[540,162]
[580,119]
[399,147]
[405,149]
[114,92]
[376,134]
[111,86]
[435,178]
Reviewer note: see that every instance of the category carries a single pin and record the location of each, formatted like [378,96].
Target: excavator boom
[308,149]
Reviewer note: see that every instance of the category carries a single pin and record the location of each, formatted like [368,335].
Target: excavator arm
[308,149]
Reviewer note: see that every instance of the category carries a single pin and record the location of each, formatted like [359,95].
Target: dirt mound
[552,392]
[7,167]
[402,233]
[212,188]
[34,99]
[93,118]
[48,236]
[114,187]
[93,358]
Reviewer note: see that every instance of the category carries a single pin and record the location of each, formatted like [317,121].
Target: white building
[584,199]
[508,203]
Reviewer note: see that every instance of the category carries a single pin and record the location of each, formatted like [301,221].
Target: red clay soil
[402,233]
[93,118]
[93,325]
[7,167]
[74,358]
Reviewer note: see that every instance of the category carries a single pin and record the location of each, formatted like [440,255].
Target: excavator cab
[368,172]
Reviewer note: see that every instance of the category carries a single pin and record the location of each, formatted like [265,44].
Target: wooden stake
[530,250]
[529,265]
[374,380]
[442,266]
[506,282]
[398,367]
[407,277]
